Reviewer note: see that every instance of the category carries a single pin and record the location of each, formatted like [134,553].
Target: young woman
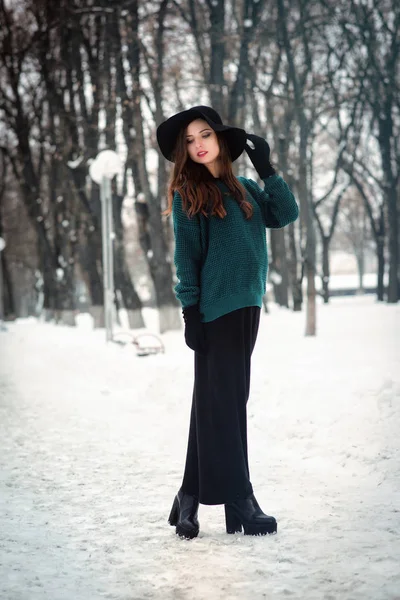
[221,264]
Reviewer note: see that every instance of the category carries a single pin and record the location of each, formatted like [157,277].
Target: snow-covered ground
[92,446]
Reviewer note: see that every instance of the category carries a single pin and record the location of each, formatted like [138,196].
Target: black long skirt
[217,468]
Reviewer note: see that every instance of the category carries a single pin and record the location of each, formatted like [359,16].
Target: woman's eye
[206,135]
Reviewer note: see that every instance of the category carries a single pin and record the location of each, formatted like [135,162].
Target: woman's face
[202,143]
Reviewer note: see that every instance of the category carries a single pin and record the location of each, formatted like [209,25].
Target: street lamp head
[106,164]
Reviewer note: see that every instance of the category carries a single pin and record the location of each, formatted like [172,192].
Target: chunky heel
[174,514]
[233,524]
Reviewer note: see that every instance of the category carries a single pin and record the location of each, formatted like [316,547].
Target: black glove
[194,329]
[260,156]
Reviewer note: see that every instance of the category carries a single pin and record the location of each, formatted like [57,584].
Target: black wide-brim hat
[167,132]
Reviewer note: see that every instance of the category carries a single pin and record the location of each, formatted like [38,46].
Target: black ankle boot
[184,515]
[249,514]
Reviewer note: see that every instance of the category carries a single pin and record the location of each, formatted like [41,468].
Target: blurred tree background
[320,79]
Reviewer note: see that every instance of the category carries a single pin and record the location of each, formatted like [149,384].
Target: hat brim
[168,131]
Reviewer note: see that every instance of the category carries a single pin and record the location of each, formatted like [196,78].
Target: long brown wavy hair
[196,185]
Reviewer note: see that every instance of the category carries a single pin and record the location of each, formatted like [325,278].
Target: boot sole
[188,534]
[269,529]
[234,525]
[255,529]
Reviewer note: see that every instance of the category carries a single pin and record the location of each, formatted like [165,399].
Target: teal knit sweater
[222,263]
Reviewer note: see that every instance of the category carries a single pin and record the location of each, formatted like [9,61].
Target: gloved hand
[260,156]
[194,329]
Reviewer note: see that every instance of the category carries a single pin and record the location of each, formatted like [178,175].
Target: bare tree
[354,230]
[20,116]
[6,289]
[157,255]
[370,34]
[298,81]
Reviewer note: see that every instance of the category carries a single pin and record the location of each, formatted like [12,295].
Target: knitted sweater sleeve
[187,255]
[279,204]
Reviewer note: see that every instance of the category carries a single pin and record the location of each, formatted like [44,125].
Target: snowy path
[92,445]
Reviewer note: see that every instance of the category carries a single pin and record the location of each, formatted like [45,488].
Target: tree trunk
[123,281]
[393,285]
[237,94]
[325,268]
[49,287]
[89,254]
[311,323]
[290,260]
[89,250]
[294,280]
[310,246]
[7,300]
[157,257]
[378,230]
[306,215]
[380,253]
[390,195]
[29,184]
[361,269]
[8,292]
[64,232]
[360,255]
[217,56]
[96,260]
[279,266]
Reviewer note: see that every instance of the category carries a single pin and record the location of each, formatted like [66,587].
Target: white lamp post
[106,164]
[2,246]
